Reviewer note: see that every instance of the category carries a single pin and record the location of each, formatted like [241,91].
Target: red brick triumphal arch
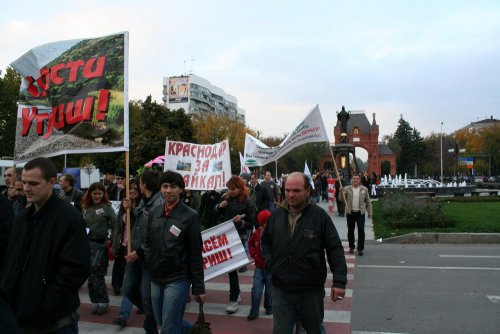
[361,133]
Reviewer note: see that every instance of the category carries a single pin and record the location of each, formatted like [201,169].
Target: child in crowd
[261,276]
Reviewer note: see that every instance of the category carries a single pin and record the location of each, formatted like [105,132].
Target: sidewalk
[341,224]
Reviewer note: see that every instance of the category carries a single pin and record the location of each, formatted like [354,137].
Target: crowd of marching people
[158,259]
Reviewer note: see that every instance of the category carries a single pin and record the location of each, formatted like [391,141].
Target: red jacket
[254,249]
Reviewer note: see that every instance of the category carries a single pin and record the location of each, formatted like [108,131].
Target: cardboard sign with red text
[222,250]
[203,167]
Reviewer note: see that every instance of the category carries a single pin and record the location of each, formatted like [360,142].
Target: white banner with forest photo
[73,97]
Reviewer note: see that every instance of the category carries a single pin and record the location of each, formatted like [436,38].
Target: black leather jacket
[235,207]
[47,261]
[173,247]
[298,262]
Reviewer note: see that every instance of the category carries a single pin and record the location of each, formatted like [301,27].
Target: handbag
[200,326]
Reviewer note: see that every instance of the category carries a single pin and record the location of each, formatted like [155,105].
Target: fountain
[388,183]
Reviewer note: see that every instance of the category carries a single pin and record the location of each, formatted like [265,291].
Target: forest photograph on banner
[73,97]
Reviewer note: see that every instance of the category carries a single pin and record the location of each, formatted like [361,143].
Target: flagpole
[276,170]
[337,172]
[127,195]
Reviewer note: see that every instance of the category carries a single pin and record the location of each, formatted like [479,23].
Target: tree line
[421,157]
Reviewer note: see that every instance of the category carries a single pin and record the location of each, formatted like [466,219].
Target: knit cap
[263,216]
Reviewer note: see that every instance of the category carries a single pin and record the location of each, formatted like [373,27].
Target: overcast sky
[430,61]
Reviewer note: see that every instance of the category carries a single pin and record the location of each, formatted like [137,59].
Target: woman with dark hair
[119,249]
[99,218]
[235,203]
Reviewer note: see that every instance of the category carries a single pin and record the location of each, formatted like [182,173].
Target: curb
[445,238]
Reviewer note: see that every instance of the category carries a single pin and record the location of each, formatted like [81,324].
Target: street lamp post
[455,151]
[441,151]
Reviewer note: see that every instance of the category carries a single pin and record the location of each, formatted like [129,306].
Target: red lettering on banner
[205,166]
[54,74]
[222,240]
[194,181]
[218,181]
[202,181]
[210,182]
[178,148]
[222,148]
[186,179]
[73,69]
[89,73]
[72,112]
[306,131]
[64,114]
[201,152]
[214,243]
[197,167]
[102,105]
[90,68]
[171,148]
[186,149]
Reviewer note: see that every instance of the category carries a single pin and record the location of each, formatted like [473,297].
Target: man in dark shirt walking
[50,258]
[293,244]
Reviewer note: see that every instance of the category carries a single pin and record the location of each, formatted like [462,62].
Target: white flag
[243,168]
[308,174]
[310,130]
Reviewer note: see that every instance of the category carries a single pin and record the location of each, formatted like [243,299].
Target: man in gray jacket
[357,202]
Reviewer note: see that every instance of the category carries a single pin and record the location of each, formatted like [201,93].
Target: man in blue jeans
[173,255]
[293,244]
[136,283]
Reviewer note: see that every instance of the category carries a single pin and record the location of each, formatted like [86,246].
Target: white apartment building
[195,94]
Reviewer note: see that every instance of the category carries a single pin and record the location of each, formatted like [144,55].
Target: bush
[403,210]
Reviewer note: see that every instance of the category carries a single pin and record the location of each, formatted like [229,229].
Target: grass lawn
[474,217]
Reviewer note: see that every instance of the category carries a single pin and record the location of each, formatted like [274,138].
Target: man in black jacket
[50,258]
[68,191]
[293,245]
[136,275]
[173,255]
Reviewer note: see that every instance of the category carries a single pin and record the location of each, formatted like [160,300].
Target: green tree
[417,151]
[9,92]
[409,147]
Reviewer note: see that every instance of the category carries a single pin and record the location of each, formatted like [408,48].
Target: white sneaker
[232,307]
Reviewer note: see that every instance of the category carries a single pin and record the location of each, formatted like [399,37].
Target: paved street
[393,288]
[427,288]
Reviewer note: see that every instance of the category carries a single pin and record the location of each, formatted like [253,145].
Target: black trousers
[353,219]
[119,269]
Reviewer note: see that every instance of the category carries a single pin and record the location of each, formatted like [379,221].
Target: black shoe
[360,253]
[117,292]
[252,316]
[102,309]
[120,322]
[139,311]
[351,250]
[269,312]
[242,269]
